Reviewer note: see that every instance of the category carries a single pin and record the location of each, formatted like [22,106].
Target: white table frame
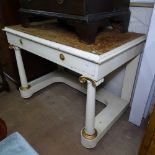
[92,68]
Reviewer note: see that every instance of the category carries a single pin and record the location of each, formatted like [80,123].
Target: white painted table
[92,69]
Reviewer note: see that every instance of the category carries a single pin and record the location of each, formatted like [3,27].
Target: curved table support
[92,66]
[95,126]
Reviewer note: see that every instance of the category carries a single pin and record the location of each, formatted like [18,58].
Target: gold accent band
[21,41]
[62,57]
[84,79]
[11,47]
[25,88]
[87,136]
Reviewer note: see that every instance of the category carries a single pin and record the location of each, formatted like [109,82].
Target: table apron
[112,64]
[77,64]
[74,63]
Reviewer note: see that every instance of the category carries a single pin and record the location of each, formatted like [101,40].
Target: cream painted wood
[71,62]
[90,108]
[129,79]
[92,67]
[119,60]
[21,69]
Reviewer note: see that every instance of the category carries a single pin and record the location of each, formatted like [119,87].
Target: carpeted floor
[52,119]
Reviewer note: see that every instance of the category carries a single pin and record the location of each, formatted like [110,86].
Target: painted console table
[92,62]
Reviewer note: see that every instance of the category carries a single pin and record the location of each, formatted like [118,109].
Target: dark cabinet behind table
[34,65]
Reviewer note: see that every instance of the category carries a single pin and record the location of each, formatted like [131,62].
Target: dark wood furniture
[148,143]
[3,82]
[86,16]
[9,15]
[3,130]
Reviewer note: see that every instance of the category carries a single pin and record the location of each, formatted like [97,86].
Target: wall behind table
[140,16]
[145,87]
[139,23]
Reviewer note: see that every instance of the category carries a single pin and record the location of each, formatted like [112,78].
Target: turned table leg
[25,87]
[90,110]
[89,133]
[21,69]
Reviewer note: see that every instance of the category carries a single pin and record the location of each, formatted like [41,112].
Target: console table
[92,63]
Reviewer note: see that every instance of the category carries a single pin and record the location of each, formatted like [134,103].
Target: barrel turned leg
[90,110]
[21,69]
[24,89]
[89,133]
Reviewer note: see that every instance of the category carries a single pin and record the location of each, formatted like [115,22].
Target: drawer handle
[62,57]
[60,1]
[21,42]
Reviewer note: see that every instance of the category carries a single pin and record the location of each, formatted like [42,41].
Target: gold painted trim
[84,79]
[21,41]
[11,47]
[62,57]
[147,5]
[25,88]
[87,136]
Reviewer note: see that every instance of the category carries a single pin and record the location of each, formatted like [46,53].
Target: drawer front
[74,7]
[79,65]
